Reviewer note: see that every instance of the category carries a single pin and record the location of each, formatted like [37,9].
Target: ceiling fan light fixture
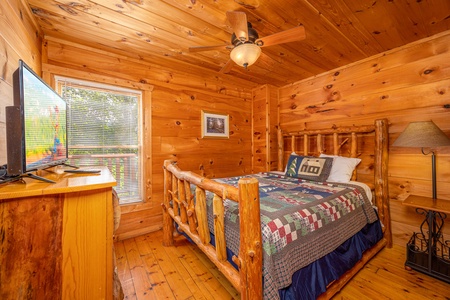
[246,54]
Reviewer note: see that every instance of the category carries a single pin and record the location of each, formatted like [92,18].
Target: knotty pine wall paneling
[264,128]
[406,84]
[177,99]
[132,213]
[20,38]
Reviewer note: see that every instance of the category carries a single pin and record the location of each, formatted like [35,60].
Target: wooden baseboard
[135,233]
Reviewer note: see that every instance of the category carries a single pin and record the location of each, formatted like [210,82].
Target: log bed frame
[179,207]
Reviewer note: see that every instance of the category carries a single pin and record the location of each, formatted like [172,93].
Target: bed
[267,232]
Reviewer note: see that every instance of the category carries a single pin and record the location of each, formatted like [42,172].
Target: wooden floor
[148,270]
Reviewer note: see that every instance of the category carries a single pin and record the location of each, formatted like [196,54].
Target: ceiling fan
[246,44]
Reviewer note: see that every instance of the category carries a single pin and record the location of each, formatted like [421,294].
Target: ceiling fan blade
[208,48]
[227,67]
[238,21]
[290,35]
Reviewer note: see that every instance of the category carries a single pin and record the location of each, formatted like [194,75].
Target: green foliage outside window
[104,130]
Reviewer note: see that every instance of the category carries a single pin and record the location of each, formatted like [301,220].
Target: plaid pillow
[309,167]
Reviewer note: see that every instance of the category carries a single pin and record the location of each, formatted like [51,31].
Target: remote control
[83,171]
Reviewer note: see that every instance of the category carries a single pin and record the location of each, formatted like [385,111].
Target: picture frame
[215,125]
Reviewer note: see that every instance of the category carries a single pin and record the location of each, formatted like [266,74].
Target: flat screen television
[36,126]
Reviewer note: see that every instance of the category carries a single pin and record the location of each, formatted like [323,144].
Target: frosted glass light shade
[245,54]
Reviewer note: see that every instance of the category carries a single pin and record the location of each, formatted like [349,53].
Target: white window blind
[104,129]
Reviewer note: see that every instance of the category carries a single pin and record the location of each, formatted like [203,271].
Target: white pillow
[342,168]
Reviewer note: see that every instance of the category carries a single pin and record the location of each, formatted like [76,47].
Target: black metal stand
[19,177]
[69,165]
[427,251]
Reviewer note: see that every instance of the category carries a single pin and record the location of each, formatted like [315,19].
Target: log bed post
[381,177]
[305,145]
[336,147]
[319,144]
[168,226]
[280,149]
[292,143]
[250,250]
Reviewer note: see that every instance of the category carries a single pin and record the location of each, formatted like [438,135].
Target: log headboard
[302,142]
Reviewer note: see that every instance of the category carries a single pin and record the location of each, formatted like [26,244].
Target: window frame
[105,87]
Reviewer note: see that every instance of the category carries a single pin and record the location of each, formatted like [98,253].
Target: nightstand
[427,250]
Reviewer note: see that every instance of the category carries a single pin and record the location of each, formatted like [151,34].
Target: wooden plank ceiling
[338,32]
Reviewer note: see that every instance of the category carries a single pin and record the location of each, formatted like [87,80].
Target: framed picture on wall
[215,125]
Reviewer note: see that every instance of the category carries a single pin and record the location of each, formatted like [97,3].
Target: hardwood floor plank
[141,281]
[405,284]
[359,290]
[386,277]
[396,290]
[215,272]
[173,271]
[123,268]
[392,269]
[195,285]
[156,276]
[198,270]
[184,272]
[128,290]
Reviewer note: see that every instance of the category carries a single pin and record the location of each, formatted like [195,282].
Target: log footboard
[179,206]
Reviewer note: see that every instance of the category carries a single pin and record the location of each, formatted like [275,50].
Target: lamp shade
[245,54]
[422,134]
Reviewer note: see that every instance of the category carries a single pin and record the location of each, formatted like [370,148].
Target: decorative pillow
[293,164]
[342,168]
[292,153]
[308,167]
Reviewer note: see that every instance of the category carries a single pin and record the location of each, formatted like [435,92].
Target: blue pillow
[309,167]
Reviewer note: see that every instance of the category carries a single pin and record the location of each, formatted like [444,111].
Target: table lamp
[425,135]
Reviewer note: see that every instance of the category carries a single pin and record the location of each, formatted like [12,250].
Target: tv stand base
[19,177]
[37,177]
[69,165]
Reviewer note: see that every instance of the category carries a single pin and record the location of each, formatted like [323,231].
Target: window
[104,129]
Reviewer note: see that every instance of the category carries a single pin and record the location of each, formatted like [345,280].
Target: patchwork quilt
[301,221]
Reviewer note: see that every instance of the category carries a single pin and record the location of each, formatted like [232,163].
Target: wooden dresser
[56,239]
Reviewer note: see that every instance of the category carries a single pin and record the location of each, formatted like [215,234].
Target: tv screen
[40,138]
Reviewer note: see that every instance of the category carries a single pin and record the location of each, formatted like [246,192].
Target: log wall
[19,39]
[406,84]
[264,128]
[173,113]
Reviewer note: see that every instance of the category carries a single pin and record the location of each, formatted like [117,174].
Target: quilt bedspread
[301,221]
